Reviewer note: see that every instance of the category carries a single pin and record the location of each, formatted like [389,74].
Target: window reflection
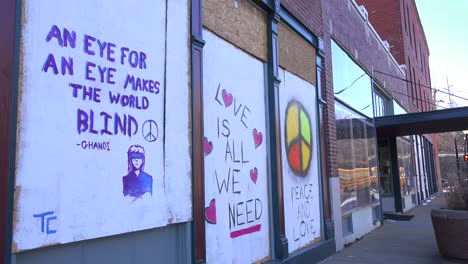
[405,164]
[361,162]
[356,158]
[345,158]
[351,84]
[380,103]
[373,162]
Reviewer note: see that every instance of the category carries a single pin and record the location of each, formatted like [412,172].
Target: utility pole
[451,102]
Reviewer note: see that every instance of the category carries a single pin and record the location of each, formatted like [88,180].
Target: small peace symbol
[150,130]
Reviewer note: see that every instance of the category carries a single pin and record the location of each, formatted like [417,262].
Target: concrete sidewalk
[398,241]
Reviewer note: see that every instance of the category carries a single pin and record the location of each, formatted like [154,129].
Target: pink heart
[208,146]
[254,175]
[227,98]
[257,137]
[210,212]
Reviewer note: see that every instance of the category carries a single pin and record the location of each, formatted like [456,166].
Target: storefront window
[381,103]
[345,157]
[373,163]
[407,178]
[356,158]
[361,162]
[351,84]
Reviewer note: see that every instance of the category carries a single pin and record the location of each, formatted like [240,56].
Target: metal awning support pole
[456,157]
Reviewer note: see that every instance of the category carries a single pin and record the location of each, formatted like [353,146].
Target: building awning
[454,119]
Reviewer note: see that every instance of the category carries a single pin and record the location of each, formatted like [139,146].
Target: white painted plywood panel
[236,177]
[178,114]
[75,178]
[300,160]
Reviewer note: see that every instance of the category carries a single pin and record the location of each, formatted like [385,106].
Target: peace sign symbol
[150,130]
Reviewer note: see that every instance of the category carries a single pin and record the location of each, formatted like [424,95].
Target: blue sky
[445,23]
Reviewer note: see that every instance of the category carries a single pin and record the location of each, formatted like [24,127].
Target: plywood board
[300,161]
[296,55]
[93,157]
[236,177]
[239,22]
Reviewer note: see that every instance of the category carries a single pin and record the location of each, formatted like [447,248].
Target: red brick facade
[398,22]
[308,12]
[385,18]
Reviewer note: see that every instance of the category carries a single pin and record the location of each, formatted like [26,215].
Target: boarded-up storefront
[236,176]
[99,89]
[300,140]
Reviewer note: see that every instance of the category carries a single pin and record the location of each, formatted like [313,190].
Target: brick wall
[308,12]
[417,53]
[398,22]
[385,18]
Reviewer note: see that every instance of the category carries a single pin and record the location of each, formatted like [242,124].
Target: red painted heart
[210,212]
[254,175]
[208,146]
[257,137]
[227,98]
